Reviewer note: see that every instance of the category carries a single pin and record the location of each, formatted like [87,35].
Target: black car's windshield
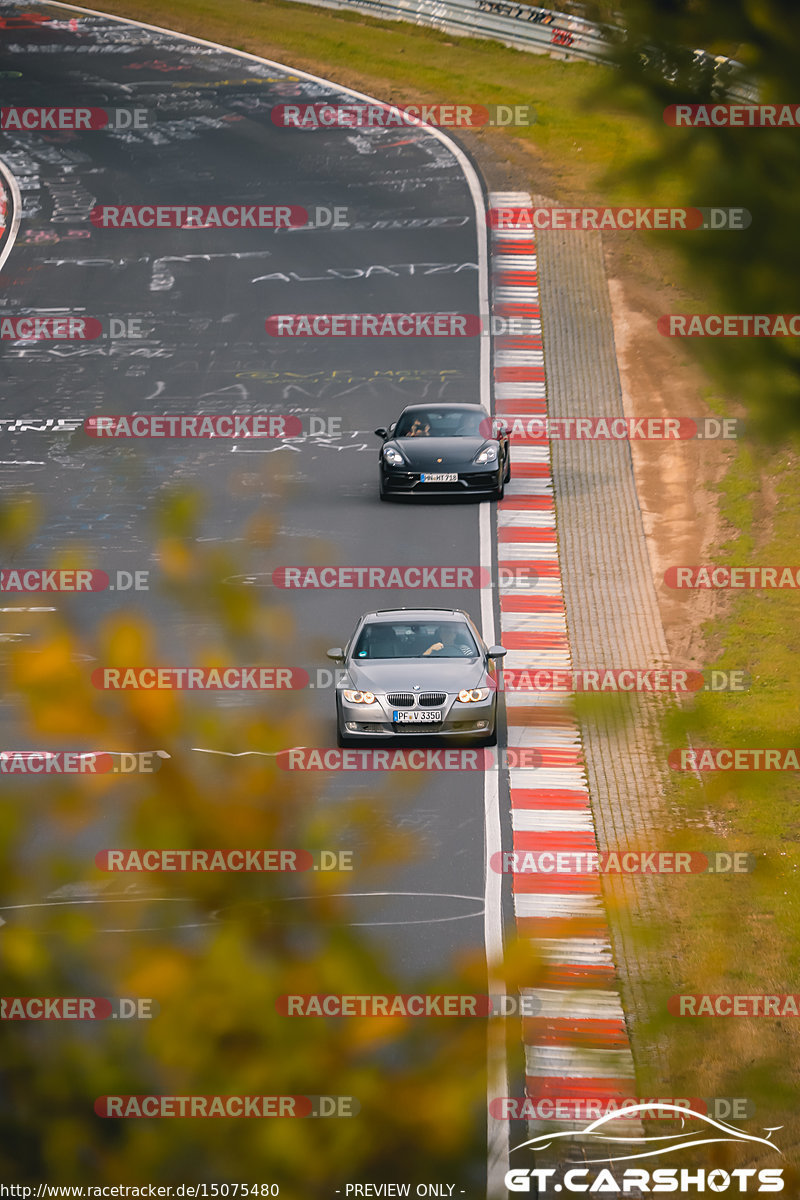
[441,422]
[415,639]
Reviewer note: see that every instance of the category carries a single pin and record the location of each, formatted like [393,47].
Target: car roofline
[443,404]
[382,612]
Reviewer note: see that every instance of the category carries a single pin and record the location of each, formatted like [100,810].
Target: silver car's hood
[431,674]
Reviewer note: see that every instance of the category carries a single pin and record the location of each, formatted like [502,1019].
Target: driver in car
[449,645]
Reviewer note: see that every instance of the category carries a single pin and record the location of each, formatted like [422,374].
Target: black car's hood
[422,453]
[401,674]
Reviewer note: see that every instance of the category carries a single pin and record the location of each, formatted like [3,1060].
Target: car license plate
[417,716]
[441,477]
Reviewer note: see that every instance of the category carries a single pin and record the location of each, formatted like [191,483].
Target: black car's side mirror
[336,653]
[497,652]
[382,433]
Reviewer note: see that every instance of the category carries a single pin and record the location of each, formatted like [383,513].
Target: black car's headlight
[358,697]
[473,695]
[393,457]
[487,455]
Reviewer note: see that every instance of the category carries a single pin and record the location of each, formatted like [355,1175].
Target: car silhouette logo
[597,1132]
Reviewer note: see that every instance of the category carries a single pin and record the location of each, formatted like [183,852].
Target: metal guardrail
[523,26]
[537,30]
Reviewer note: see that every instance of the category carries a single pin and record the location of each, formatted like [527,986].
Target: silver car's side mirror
[381,433]
[336,653]
[497,652]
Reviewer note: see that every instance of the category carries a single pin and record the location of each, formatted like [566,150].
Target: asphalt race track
[189,306]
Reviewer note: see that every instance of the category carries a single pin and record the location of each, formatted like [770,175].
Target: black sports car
[413,671]
[443,449]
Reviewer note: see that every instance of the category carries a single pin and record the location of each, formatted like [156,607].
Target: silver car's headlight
[358,697]
[487,455]
[473,695]
[393,457]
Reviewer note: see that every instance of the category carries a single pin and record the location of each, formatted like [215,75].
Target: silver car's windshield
[415,639]
[438,422]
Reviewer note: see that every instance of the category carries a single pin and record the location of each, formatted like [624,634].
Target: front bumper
[470,483]
[375,720]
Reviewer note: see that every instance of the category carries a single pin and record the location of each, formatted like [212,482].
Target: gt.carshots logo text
[664,1179]
[698,1131]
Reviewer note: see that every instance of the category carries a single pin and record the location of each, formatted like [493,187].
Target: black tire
[491,740]
[501,491]
[381,490]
